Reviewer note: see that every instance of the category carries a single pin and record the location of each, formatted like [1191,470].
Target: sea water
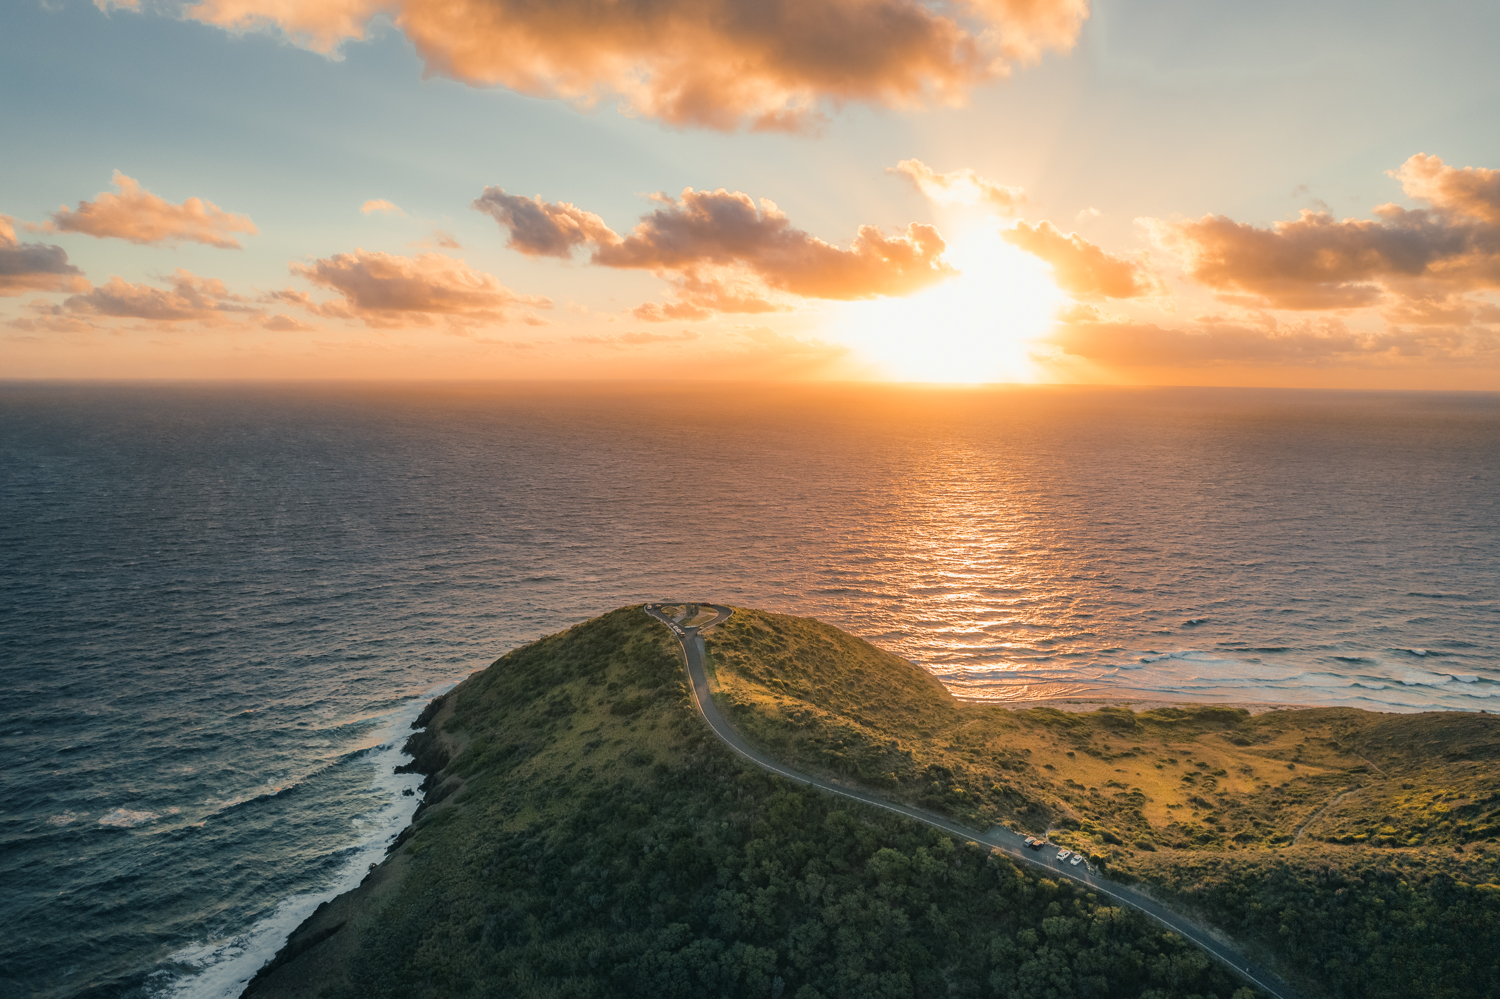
[221,606]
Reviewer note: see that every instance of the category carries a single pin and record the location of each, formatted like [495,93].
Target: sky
[1123,192]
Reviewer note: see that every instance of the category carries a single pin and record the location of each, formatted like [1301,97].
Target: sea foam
[223,965]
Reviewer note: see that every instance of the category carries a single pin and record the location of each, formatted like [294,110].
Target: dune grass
[1354,850]
[1112,781]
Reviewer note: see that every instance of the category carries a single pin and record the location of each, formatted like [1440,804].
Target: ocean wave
[125,818]
[222,966]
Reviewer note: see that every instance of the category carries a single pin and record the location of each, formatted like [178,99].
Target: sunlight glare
[975,327]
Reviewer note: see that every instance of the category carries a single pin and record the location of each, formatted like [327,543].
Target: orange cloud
[1030,27]
[1078,266]
[722,64]
[188,297]
[281,323]
[639,339]
[1324,342]
[1316,262]
[1471,191]
[964,187]
[34,266]
[380,205]
[383,289]
[666,312]
[543,229]
[725,253]
[139,216]
[727,229]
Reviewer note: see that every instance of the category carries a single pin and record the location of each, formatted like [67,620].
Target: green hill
[584,834]
[1354,850]
[590,837]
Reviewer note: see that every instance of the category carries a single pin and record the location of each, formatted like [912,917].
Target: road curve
[1008,842]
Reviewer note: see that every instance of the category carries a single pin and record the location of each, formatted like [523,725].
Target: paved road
[1012,844]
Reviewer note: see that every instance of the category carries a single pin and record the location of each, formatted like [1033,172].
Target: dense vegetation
[1355,924]
[587,836]
[1354,851]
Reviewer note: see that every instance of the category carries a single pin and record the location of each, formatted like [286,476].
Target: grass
[1113,782]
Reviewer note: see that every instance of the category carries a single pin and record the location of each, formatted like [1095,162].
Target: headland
[583,833]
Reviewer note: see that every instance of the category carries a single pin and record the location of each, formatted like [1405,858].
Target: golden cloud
[187,298]
[964,187]
[380,205]
[622,341]
[34,266]
[543,229]
[384,289]
[722,64]
[1078,266]
[139,216]
[1318,262]
[1321,342]
[723,252]
[1470,191]
[723,228]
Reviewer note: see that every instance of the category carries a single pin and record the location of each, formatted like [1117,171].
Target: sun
[974,327]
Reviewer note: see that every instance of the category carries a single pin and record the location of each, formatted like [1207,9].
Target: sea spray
[220,968]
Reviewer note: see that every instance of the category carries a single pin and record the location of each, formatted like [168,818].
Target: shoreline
[1081,704]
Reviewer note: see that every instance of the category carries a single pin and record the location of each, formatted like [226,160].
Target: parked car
[1077,859]
[1064,854]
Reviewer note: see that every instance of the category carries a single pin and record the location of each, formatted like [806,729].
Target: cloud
[639,339]
[1320,342]
[49,317]
[964,187]
[282,323]
[439,239]
[188,297]
[1471,191]
[139,216]
[34,266]
[721,64]
[1078,266]
[380,205]
[383,289]
[727,229]
[1317,262]
[724,253]
[666,312]
[543,229]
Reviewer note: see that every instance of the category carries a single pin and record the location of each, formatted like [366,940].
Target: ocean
[222,605]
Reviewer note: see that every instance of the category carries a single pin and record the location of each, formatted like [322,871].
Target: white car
[1077,859]
[1064,854]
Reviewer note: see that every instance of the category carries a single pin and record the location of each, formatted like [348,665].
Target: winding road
[1008,842]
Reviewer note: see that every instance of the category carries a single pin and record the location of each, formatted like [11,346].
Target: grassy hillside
[1356,850]
[585,835]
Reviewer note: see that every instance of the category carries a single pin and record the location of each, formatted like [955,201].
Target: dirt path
[1297,836]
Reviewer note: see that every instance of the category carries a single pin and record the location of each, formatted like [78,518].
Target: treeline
[710,881]
[1357,926]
